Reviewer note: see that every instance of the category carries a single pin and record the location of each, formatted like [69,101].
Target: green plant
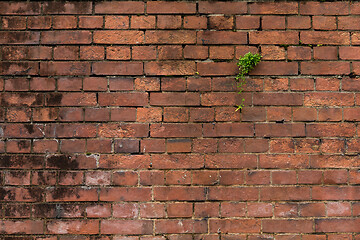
[245,64]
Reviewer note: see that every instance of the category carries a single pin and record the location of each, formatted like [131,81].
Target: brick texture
[118,121]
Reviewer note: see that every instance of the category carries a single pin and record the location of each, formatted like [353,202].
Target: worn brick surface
[118,121]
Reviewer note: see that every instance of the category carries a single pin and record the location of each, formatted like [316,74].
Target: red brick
[173,84]
[234,225]
[328,99]
[98,210]
[42,146]
[170,68]
[39,22]
[233,209]
[66,53]
[125,178]
[222,52]
[231,161]
[335,209]
[16,84]
[144,52]
[125,194]
[149,115]
[273,22]
[324,8]
[152,210]
[64,68]
[64,22]
[116,22]
[148,178]
[125,7]
[20,8]
[216,68]
[228,130]
[91,21]
[179,209]
[177,161]
[326,53]
[66,37]
[298,22]
[95,84]
[205,178]
[17,177]
[186,226]
[174,99]
[116,68]
[273,53]
[302,84]
[143,22]
[273,37]
[222,7]
[173,114]
[221,22]
[259,209]
[22,227]
[284,177]
[118,37]
[286,226]
[330,114]
[284,193]
[179,193]
[275,68]
[323,37]
[170,37]
[67,8]
[15,23]
[324,23]
[333,162]
[337,225]
[299,53]
[122,99]
[123,130]
[218,37]
[20,38]
[325,68]
[100,146]
[124,161]
[169,52]
[204,145]
[283,161]
[169,22]
[195,22]
[26,53]
[176,177]
[349,53]
[231,145]
[92,53]
[247,22]
[310,177]
[226,114]
[161,7]
[19,68]
[126,227]
[178,145]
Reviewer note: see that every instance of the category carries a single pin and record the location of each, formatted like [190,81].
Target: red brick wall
[118,121]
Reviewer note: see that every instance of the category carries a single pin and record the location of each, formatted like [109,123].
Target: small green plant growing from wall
[245,64]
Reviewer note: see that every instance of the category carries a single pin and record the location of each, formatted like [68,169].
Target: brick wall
[118,121]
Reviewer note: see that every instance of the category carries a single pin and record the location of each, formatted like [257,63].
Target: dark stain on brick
[7,194]
[29,128]
[21,161]
[54,99]
[62,162]
[60,193]
[23,144]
